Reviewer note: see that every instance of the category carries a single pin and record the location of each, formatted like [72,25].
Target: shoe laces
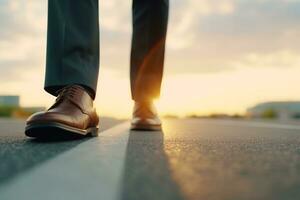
[68,91]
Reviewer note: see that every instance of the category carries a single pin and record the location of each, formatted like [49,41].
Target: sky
[222,56]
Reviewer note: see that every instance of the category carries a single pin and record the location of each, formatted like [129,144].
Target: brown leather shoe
[145,117]
[72,114]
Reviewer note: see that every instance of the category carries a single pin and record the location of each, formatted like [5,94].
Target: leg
[150,18]
[71,72]
[72,44]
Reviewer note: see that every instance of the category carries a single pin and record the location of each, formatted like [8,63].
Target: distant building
[9,100]
[10,107]
[280,110]
[33,109]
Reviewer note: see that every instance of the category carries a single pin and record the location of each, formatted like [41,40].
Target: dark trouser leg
[72,44]
[150,19]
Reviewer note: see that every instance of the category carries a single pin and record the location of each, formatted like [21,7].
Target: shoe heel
[94,132]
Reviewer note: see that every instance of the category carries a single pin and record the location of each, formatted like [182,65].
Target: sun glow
[231,92]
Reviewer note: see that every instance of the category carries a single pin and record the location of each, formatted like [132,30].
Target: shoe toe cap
[146,121]
[34,117]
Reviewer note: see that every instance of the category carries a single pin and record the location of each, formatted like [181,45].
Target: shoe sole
[145,127]
[58,130]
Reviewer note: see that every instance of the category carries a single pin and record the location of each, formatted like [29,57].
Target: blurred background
[224,58]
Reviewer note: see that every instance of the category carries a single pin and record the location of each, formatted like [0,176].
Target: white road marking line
[92,170]
[258,124]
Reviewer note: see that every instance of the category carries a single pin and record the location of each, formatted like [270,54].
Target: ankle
[89,90]
[144,102]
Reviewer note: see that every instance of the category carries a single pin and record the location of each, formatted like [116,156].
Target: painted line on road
[258,124]
[92,170]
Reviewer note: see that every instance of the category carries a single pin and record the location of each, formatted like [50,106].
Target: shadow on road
[146,173]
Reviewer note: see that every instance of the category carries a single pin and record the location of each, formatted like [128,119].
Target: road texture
[190,159]
[18,153]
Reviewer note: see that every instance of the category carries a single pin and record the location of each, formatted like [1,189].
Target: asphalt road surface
[190,159]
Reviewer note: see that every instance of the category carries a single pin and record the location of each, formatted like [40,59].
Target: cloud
[22,37]
[185,16]
[115,16]
[281,59]
[211,41]
[22,18]
[205,36]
